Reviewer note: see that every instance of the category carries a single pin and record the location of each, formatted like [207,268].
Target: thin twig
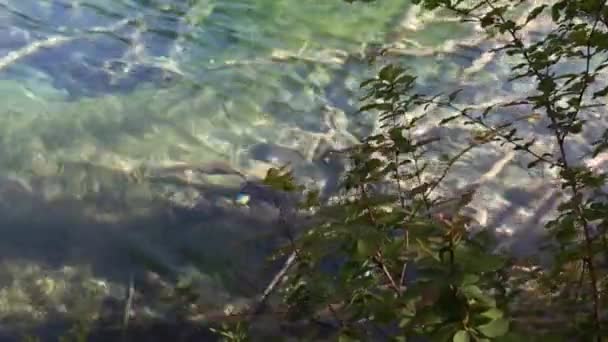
[128,306]
[449,165]
[378,261]
[402,278]
[497,132]
[580,281]
[275,281]
[560,137]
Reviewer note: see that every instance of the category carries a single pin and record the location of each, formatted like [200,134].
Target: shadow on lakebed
[125,231]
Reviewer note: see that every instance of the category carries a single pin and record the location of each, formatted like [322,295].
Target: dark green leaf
[535,12]
[453,95]
[368,106]
[546,85]
[600,93]
[576,128]
[367,82]
[445,333]
[446,120]
[390,72]
[511,133]
[487,111]
[556,10]
[474,292]
[534,163]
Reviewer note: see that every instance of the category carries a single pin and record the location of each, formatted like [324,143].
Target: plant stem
[560,137]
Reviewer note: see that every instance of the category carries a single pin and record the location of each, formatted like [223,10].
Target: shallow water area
[111,109]
[119,120]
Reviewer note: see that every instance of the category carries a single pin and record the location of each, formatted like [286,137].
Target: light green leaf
[496,328]
[364,247]
[493,313]
[462,336]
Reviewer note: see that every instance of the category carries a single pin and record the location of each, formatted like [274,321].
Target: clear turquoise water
[155,83]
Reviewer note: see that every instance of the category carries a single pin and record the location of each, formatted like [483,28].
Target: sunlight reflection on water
[99,95]
[111,109]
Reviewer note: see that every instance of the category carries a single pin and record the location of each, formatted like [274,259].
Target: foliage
[391,261]
[232,333]
[402,264]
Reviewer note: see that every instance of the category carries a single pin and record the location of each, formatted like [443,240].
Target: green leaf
[427,250]
[578,37]
[462,336]
[535,12]
[364,247]
[445,333]
[368,106]
[487,111]
[390,72]
[600,93]
[453,95]
[496,328]
[556,10]
[474,292]
[565,231]
[546,85]
[576,128]
[446,120]
[493,313]
[470,279]
[475,260]
[534,163]
[367,82]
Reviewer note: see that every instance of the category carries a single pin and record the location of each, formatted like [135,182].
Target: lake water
[95,91]
[110,108]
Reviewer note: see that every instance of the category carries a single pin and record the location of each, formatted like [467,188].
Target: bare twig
[128,306]
[275,281]
[497,131]
[378,260]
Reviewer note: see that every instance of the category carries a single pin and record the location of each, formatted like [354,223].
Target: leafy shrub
[392,260]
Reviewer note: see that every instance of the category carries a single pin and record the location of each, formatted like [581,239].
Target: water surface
[109,107]
[98,96]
